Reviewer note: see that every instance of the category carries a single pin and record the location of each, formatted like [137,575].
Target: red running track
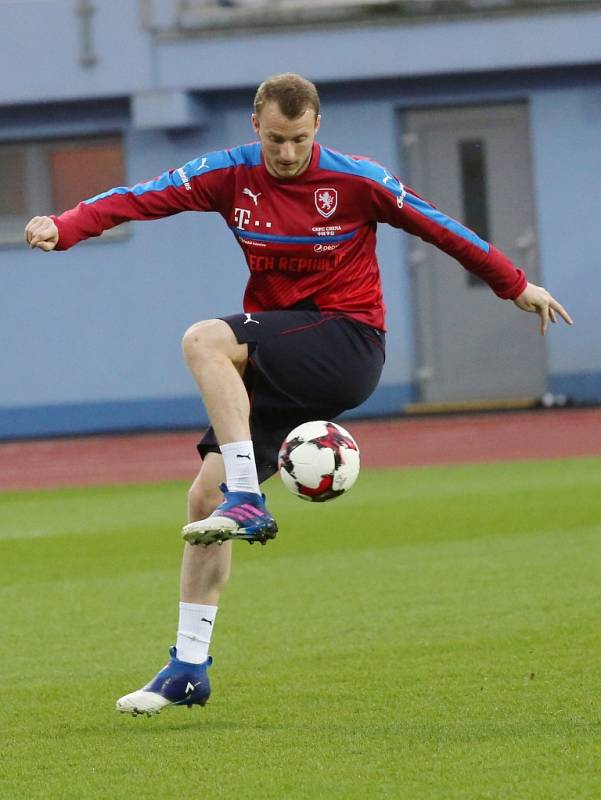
[408,441]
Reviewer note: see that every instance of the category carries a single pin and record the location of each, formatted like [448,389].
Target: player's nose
[287,152]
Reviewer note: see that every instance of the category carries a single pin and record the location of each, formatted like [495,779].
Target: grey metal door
[474,164]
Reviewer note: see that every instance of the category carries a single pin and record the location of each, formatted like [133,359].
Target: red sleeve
[401,207]
[189,188]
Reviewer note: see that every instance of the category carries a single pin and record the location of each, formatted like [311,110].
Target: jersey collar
[313,163]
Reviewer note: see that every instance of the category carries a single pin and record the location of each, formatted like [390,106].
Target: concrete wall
[91,338]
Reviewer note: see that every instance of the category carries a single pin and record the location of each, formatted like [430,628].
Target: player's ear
[254,121]
[317,122]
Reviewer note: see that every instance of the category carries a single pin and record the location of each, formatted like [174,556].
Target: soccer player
[310,342]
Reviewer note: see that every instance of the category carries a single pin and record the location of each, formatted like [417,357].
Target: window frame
[38,182]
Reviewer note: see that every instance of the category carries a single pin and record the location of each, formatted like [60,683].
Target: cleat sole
[220,535]
[137,712]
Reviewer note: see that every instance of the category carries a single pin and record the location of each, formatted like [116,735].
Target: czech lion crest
[326,201]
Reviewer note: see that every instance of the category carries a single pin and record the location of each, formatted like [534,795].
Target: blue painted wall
[91,338]
[566,147]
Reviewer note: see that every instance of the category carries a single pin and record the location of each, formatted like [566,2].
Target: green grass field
[434,634]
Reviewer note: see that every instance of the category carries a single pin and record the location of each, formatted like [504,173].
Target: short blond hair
[293,94]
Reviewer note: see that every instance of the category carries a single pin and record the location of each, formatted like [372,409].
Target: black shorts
[303,365]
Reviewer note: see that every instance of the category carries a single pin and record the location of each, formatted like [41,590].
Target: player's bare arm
[41,232]
[537,300]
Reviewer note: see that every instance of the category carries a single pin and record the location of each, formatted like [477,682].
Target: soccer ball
[318,461]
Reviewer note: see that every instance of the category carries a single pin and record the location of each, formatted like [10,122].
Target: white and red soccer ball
[319,461]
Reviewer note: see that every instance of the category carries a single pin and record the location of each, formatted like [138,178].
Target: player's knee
[205,337]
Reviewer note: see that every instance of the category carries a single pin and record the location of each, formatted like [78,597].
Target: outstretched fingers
[548,310]
[555,306]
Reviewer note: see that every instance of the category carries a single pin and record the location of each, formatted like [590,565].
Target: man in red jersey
[310,342]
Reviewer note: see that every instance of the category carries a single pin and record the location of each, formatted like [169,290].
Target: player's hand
[539,301]
[41,232]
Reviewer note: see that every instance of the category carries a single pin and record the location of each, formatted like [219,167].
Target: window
[50,177]
[472,161]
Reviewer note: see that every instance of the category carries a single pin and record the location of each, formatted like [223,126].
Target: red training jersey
[312,237]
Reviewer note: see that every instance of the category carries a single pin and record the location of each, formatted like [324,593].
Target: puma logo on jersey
[203,164]
[401,198]
[253,197]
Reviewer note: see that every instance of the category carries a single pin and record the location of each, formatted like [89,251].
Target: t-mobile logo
[241,217]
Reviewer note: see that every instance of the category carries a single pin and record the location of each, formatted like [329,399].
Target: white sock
[240,467]
[194,632]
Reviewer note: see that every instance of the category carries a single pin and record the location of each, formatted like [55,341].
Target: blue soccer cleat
[177,684]
[241,515]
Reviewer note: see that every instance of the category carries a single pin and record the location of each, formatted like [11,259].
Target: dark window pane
[13,192]
[78,172]
[472,159]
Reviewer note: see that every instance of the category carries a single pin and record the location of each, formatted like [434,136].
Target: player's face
[287,144]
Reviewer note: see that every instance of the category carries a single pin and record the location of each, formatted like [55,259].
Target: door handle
[526,241]
[526,245]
